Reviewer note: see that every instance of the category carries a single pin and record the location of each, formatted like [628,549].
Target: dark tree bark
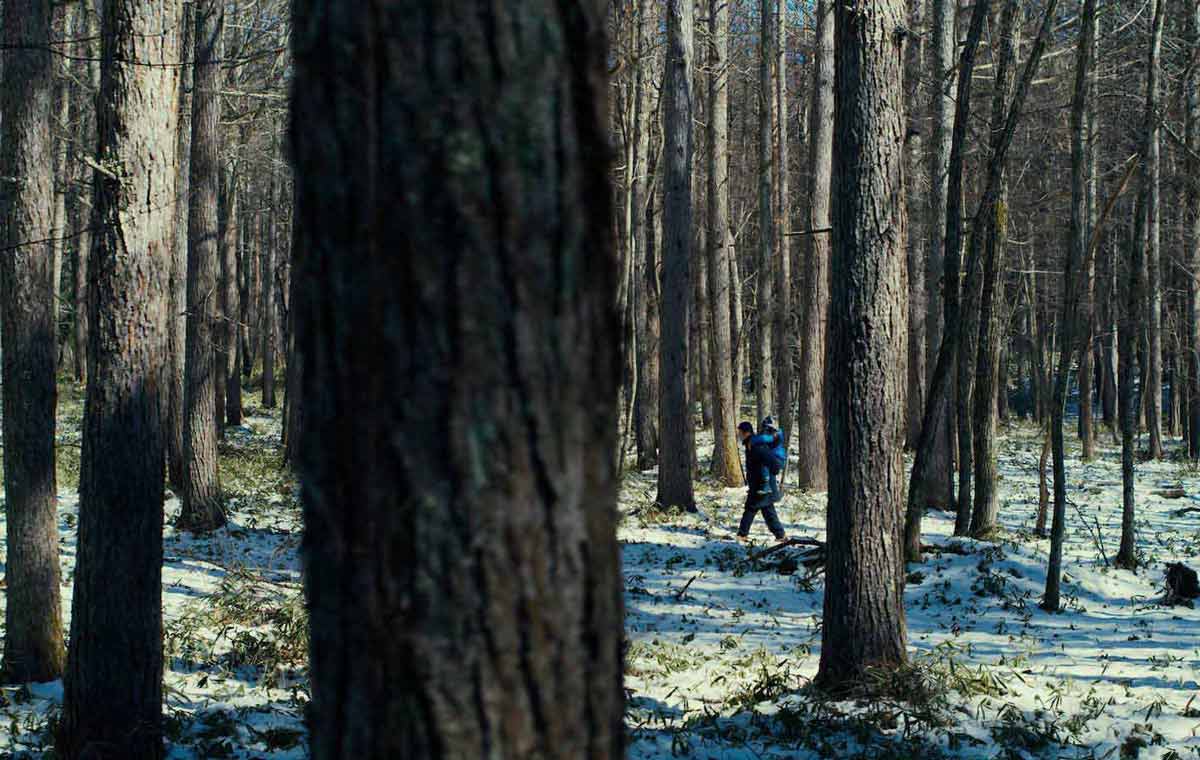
[1193,204]
[112,705]
[33,633]
[864,622]
[938,485]
[227,362]
[984,411]
[914,155]
[646,332]
[202,509]
[782,338]
[267,303]
[1154,298]
[675,419]
[491,625]
[1072,285]
[764,376]
[812,469]
[726,465]
[923,478]
[85,69]
[177,318]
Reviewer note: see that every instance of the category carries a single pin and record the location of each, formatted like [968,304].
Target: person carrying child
[764,462]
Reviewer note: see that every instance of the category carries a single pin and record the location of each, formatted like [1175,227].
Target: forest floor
[235,630]
[722,648]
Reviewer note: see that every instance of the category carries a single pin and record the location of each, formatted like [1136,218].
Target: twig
[679,594]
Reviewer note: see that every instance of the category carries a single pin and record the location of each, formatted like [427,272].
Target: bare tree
[33,642]
[490,625]
[764,396]
[1193,202]
[726,466]
[1152,161]
[676,447]
[863,623]
[812,470]
[202,509]
[112,704]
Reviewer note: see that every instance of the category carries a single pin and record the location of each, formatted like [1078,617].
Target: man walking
[762,490]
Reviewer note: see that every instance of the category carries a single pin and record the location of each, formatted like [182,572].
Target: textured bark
[783,340]
[646,280]
[937,483]
[1193,243]
[923,477]
[985,410]
[83,113]
[268,304]
[767,241]
[485,618]
[112,705]
[177,312]
[1154,290]
[230,306]
[917,307]
[863,623]
[726,465]
[812,469]
[1087,308]
[1072,287]
[202,509]
[675,419]
[33,634]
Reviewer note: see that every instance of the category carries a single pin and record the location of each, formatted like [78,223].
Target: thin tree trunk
[230,307]
[490,626]
[864,625]
[676,450]
[33,630]
[917,307]
[646,279]
[113,694]
[782,339]
[1087,317]
[83,113]
[726,466]
[1154,380]
[767,241]
[267,302]
[987,366]
[202,509]
[177,310]
[1193,255]
[1072,285]
[812,470]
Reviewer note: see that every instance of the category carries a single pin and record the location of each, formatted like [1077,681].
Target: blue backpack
[777,451]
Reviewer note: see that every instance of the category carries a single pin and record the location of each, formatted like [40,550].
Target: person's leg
[747,520]
[773,523]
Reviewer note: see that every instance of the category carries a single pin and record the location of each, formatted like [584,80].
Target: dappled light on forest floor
[721,649]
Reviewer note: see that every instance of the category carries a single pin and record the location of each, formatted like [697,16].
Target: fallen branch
[679,594]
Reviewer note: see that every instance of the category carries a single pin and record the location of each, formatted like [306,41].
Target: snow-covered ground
[721,650]
[235,630]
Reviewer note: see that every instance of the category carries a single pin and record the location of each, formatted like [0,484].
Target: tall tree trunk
[1154,290]
[490,626]
[1072,286]
[177,310]
[726,466]
[764,375]
[812,469]
[917,306]
[987,365]
[202,509]
[782,339]
[864,624]
[675,453]
[938,476]
[60,233]
[113,700]
[1087,316]
[33,631]
[922,477]
[230,307]
[267,303]
[83,108]
[1193,256]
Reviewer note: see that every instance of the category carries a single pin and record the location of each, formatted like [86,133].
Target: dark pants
[764,503]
